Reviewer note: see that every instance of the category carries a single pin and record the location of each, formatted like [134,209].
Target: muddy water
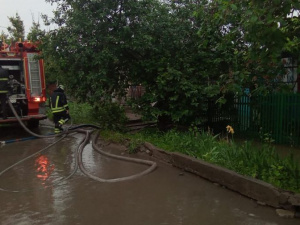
[36,191]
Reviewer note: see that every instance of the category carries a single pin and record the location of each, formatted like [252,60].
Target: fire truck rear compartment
[16,85]
[27,92]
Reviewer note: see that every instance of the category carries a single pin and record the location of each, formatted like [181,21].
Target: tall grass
[107,116]
[81,113]
[262,162]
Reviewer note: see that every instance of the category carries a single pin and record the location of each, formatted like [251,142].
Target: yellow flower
[230,129]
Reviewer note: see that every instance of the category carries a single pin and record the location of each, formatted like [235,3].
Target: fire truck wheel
[33,123]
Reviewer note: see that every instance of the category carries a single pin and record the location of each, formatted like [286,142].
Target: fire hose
[79,152]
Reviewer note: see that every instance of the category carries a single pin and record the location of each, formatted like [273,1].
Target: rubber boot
[63,121]
[58,128]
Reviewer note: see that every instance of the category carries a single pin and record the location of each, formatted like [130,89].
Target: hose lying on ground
[134,160]
[79,152]
[29,131]
[17,140]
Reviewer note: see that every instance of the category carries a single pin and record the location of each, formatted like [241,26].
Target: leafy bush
[81,113]
[110,116]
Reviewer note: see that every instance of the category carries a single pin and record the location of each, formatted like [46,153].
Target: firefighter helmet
[61,87]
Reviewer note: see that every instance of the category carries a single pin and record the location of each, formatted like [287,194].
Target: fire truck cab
[27,91]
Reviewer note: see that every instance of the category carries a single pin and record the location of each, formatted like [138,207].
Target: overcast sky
[28,11]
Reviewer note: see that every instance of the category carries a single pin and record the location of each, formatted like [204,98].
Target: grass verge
[262,163]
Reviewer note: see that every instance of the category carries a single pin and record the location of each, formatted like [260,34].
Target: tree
[16,30]
[110,44]
[257,32]
[172,68]
[35,33]
[181,51]
[89,45]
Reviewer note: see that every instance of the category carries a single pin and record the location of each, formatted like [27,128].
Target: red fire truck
[27,91]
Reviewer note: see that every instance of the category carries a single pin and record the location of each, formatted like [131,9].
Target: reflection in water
[44,168]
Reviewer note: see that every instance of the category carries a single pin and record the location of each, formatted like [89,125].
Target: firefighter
[60,109]
[3,91]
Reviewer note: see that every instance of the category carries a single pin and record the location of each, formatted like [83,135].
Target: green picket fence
[274,117]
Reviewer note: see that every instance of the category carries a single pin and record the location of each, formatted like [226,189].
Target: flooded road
[45,189]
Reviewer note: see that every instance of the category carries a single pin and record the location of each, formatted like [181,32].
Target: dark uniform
[59,107]
[3,90]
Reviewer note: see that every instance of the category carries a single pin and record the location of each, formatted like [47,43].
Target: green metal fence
[274,117]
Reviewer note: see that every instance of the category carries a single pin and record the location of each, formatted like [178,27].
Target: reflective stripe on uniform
[57,109]
[1,79]
[57,131]
[56,102]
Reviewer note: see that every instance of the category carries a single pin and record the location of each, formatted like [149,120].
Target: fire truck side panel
[33,108]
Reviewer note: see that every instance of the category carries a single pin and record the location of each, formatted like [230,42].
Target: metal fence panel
[274,117]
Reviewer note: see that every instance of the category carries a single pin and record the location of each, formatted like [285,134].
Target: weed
[134,145]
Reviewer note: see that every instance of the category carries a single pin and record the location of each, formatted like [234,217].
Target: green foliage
[181,52]
[238,43]
[112,136]
[134,145]
[265,137]
[109,116]
[133,42]
[95,61]
[81,113]
[35,33]
[49,114]
[16,30]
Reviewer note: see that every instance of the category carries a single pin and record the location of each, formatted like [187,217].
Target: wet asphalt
[43,188]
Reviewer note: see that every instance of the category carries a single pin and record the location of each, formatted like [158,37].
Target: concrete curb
[262,192]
